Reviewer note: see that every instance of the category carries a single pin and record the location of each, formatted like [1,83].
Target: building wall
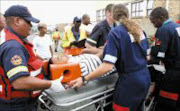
[173,6]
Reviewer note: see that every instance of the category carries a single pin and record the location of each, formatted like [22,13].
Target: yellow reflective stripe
[16,70]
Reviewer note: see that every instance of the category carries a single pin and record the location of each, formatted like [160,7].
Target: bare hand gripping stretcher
[96,91]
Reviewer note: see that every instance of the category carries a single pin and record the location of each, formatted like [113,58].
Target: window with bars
[137,9]
[103,14]
[100,14]
[149,7]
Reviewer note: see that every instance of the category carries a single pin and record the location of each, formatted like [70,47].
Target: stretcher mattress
[92,88]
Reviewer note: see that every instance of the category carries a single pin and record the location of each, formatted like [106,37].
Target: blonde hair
[121,13]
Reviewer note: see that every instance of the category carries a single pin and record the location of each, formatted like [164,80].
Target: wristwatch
[84,80]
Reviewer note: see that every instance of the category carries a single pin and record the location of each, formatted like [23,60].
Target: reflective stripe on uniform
[148,51]
[161,54]
[178,30]
[120,108]
[173,96]
[35,73]
[16,70]
[90,40]
[1,88]
[36,92]
[110,58]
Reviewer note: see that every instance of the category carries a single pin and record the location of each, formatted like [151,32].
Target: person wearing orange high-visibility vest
[20,70]
[56,37]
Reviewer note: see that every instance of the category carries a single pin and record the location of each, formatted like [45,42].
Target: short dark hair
[158,12]
[85,16]
[109,7]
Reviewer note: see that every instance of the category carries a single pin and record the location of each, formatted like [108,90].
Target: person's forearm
[30,83]
[101,70]
[90,50]
[39,57]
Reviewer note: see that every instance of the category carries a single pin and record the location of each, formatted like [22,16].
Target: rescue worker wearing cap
[126,49]
[73,34]
[167,51]
[20,70]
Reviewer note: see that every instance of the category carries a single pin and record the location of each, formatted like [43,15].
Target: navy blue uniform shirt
[121,46]
[13,58]
[98,35]
[167,45]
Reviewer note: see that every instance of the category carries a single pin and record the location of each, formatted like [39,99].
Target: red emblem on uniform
[16,60]
[158,42]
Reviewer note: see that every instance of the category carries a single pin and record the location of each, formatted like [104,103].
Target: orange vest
[34,67]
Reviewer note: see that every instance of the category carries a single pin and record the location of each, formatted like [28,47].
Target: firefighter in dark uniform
[126,49]
[167,51]
[20,70]
[97,38]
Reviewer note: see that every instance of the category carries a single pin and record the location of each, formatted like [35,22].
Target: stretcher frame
[99,99]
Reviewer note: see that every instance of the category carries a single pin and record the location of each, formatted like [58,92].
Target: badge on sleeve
[16,60]
[158,42]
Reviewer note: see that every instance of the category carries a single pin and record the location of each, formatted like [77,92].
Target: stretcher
[83,99]
[91,97]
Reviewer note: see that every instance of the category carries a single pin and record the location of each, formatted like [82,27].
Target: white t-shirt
[87,28]
[42,46]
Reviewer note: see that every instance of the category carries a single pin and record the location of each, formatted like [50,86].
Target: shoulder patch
[157,42]
[16,60]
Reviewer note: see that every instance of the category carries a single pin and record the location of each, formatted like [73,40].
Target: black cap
[76,19]
[20,11]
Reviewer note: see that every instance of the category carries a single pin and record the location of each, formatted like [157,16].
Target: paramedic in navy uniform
[20,70]
[167,50]
[126,49]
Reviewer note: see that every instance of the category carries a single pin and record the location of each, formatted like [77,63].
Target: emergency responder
[167,51]
[73,34]
[56,37]
[126,49]
[20,70]
[2,21]
[97,38]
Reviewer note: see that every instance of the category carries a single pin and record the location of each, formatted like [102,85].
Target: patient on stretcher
[87,62]
[72,67]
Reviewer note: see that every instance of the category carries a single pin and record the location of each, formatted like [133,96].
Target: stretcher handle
[43,102]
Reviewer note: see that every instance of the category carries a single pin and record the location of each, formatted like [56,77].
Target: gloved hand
[56,85]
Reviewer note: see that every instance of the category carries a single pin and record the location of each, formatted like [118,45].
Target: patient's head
[60,59]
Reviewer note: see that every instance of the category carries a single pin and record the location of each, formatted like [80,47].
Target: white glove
[56,85]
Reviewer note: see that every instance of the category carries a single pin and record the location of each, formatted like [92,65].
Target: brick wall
[174,13]
[146,25]
[174,9]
